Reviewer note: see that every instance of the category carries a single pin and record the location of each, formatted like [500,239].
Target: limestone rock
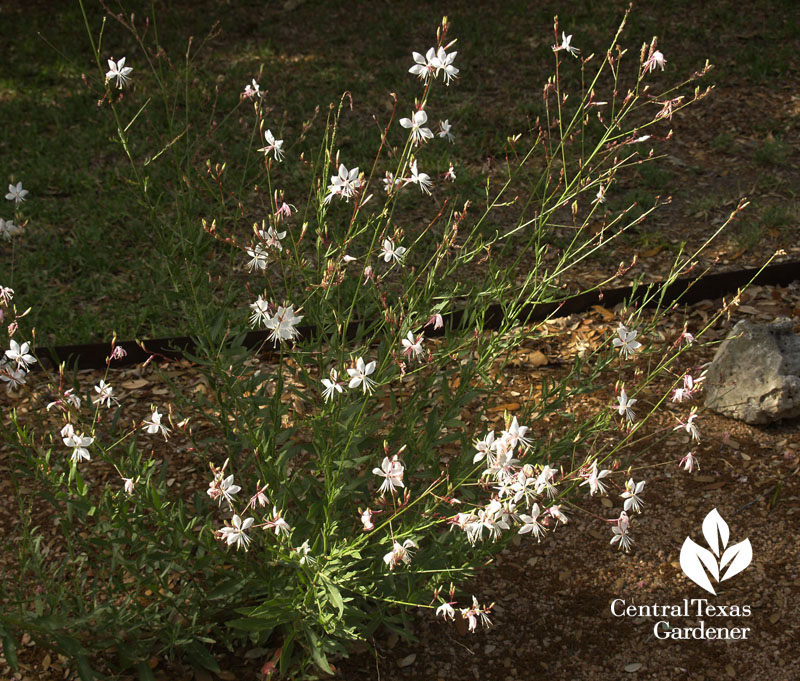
[755,375]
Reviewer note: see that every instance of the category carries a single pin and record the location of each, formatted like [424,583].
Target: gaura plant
[356,473]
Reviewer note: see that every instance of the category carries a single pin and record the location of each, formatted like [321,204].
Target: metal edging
[687,290]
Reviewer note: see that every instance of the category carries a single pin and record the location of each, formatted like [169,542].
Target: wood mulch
[552,615]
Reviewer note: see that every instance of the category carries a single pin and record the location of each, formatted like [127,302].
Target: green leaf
[9,649]
[226,588]
[84,670]
[199,653]
[316,652]
[155,497]
[336,597]
[145,673]
[257,624]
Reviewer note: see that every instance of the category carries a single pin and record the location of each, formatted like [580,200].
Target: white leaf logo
[694,557]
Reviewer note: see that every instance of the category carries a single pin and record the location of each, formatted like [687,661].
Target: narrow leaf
[336,597]
[226,588]
[316,652]
[199,653]
[9,649]
[84,670]
[256,624]
[145,673]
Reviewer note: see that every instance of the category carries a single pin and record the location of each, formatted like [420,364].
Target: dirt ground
[552,617]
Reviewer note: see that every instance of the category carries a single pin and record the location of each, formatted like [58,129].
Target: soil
[552,615]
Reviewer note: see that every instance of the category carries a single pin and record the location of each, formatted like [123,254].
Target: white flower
[359,376]
[14,378]
[344,185]
[285,211]
[129,485]
[555,512]
[421,179]
[272,145]
[544,481]
[271,237]
[154,425]
[252,90]
[235,534]
[680,394]
[279,524]
[8,229]
[450,174]
[258,258]
[78,442]
[283,324]
[259,498]
[437,320]
[690,387]
[392,252]
[332,385]
[119,71]
[391,471]
[484,447]
[626,341]
[631,495]
[473,528]
[689,462]
[443,61]
[389,182]
[690,426]
[68,398]
[565,45]
[594,480]
[444,131]
[19,355]
[16,193]
[412,345]
[667,109]
[6,294]
[423,66]
[625,404]
[476,614]
[530,523]
[366,520]
[656,60]
[400,553]
[516,434]
[445,611]
[105,394]
[222,488]
[415,123]
[620,531]
[260,314]
[522,485]
[601,195]
[685,336]
[118,352]
[501,464]
[303,550]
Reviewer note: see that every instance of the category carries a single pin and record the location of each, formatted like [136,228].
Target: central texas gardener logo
[694,557]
